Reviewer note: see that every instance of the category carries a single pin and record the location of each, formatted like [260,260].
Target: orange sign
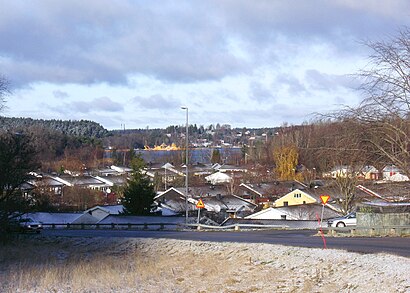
[324,198]
[200,204]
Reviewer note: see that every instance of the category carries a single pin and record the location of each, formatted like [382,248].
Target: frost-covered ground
[163,265]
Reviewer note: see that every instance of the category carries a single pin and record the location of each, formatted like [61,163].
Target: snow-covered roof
[54,218]
[141,219]
[110,209]
[218,178]
[167,166]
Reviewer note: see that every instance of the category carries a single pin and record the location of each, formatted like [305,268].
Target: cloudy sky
[135,63]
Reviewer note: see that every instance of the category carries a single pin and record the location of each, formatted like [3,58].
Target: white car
[348,220]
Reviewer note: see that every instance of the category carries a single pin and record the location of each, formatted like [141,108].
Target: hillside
[81,128]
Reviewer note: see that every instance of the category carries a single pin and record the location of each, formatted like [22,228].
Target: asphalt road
[301,238]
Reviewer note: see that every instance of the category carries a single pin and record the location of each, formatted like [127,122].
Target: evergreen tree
[17,159]
[216,156]
[139,193]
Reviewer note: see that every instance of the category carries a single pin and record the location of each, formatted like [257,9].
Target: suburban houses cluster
[229,196]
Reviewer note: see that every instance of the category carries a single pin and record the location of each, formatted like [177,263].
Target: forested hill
[83,128]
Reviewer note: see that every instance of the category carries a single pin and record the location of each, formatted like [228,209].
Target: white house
[391,170]
[218,178]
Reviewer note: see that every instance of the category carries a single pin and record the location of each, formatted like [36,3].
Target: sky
[133,64]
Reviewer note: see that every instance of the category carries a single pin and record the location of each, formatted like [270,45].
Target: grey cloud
[60,94]
[157,102]
[98,104]
[293,85]
[260,93]
[323,81]
[106,41]
[310,21]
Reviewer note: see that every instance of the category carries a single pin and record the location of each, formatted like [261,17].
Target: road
[302,238]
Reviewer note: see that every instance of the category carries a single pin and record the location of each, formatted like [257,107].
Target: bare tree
[383,116]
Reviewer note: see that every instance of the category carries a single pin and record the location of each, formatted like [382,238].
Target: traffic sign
[324,198]
[200,204]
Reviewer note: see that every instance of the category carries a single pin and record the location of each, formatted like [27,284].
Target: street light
[186,166]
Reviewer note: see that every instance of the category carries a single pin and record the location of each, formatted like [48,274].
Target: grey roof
[47,181]
[275,189]
[117,180]
[121,219]
[54,218]
[82,180]
[111,209]
[228,202]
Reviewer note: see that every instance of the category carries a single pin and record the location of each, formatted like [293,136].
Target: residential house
[339,171]
[172,202]
[369,173]
[98,213]
[218,178]
[86,181]
[295,197]
[390,173]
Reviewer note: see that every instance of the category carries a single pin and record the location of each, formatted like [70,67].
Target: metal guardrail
[392,230]
[237,227]
[127,226]
[159,226]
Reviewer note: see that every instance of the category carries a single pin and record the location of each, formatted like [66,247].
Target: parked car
[25,225]
[348,220]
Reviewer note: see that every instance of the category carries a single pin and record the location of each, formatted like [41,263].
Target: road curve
[301,238]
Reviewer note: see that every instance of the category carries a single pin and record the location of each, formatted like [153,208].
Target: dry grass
[147,265]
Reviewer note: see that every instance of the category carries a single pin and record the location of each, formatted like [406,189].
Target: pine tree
[139,193]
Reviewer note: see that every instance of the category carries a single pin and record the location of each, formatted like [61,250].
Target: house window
[304,202]
[285,203]
[283,217]
[297,195]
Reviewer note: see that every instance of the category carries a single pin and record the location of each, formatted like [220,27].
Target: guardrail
[159,226]
[236,227]
[388,230]
[393,230]
[125,226]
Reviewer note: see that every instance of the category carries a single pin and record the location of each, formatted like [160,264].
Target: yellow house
[295,197]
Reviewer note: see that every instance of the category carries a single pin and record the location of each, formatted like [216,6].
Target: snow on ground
[163,265]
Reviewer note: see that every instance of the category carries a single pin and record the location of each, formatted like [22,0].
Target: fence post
[82,226]
[68,225]
[112,225]
[145,226]
[129,226]
[161,227]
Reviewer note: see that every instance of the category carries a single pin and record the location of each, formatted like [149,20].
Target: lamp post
[186,166]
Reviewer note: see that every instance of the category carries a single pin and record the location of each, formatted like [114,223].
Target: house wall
[272,214]
[371,176]
[296,197]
